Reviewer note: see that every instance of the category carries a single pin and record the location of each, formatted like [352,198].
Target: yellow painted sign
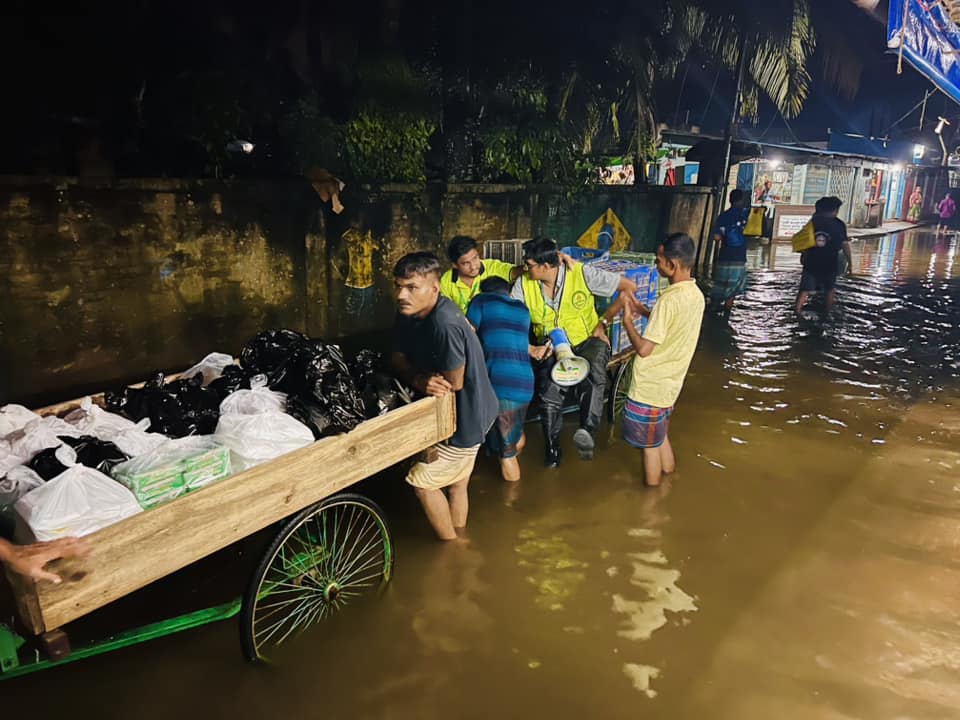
[619,241]
[361,248]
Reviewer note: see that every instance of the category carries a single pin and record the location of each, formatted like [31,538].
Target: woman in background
[916,201]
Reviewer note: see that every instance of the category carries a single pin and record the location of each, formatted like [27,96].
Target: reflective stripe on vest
[578,316]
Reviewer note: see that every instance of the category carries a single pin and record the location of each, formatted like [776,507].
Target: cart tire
[323,557]
[618,390]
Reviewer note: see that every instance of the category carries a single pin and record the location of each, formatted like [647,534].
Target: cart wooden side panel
[146,547]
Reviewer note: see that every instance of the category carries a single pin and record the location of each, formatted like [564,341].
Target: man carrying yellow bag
[820,242]
[805,238]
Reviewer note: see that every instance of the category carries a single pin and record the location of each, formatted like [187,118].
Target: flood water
[585,595]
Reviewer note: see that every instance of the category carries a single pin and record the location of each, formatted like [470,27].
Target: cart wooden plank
[133,553]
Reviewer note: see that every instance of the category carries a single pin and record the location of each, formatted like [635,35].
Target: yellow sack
[754,226]
[804,239]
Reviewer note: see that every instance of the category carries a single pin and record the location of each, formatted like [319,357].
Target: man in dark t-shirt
[437,352]
[821,263]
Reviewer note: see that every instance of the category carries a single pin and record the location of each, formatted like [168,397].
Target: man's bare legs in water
[447,514]
[657,462]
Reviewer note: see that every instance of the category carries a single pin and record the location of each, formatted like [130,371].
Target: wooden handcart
[330,549]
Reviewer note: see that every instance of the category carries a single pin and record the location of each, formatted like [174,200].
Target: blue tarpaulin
[931,41]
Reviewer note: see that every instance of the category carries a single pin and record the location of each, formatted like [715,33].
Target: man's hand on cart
[30,560]
[434,385]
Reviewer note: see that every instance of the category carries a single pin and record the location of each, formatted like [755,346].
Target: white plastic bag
[58,426]
[254,439]
[7,459]
[35,437]
[174,467]
[77,502]
[91,419]
[18,482]
[136,441]
[15,417]
[211,366]
[258,399]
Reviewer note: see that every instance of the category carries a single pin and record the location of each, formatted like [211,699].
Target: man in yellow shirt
[664,352]
[461,283]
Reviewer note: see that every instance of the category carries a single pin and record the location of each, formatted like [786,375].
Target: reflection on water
[655,596]
[555,573]
[584,594]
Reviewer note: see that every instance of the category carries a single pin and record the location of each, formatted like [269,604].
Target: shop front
[871,188]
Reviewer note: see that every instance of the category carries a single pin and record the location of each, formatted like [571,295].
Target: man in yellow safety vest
[563,297]
[461,283]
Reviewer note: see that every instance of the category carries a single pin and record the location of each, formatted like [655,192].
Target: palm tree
[776,38]
[772,44]
[614,94]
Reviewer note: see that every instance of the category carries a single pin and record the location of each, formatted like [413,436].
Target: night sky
[90,77]
[883,96]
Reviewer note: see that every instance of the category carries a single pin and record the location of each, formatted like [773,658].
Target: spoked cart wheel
[324,557]
[618,390]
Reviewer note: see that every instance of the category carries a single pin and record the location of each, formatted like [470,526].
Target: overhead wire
[926,96]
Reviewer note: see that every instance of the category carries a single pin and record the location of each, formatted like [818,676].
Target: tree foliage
[406,90]
[382,147]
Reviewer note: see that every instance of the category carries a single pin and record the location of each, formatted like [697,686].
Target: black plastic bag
[92,452]
[46,465]
[180,408]
[193,395]
[364,365]
[311,415]
[271,350]
[130,402]
[380,395]
[95,453]
[232,379]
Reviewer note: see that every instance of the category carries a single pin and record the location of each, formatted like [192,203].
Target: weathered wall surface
[105,282]
[377,228]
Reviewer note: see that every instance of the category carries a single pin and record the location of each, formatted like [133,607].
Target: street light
[241,146]
[941,121]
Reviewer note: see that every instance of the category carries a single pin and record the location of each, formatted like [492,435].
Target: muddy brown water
[583,594]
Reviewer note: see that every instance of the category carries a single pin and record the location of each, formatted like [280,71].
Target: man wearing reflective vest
[561,296]
[461,283]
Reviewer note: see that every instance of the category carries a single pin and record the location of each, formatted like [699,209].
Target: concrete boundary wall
[105,281]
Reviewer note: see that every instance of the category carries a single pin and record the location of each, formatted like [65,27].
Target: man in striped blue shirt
[503,326]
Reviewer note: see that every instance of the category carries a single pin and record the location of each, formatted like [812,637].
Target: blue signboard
[931,41]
